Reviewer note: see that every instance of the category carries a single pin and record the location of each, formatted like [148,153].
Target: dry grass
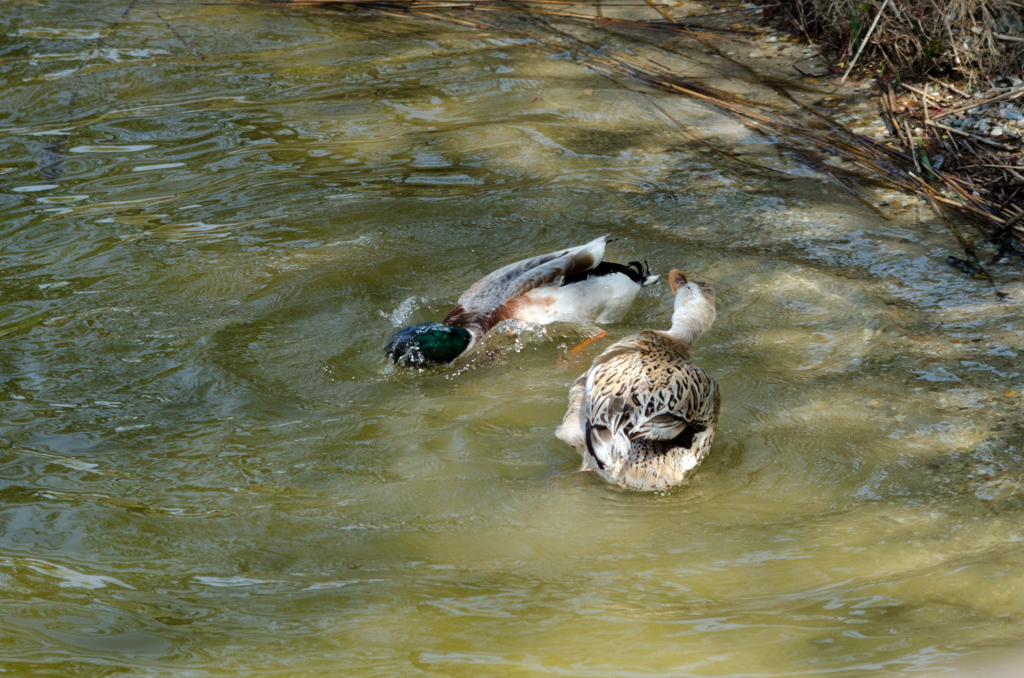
[974,39]
[920,120]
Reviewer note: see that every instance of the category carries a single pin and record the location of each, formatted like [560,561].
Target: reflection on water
[208,468]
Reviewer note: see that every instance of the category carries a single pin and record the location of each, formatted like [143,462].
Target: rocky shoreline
[994,114]
[967,141]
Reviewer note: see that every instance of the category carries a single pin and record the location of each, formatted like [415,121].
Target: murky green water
[208,469]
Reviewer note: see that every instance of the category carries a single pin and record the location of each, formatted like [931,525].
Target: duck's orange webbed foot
[572,356]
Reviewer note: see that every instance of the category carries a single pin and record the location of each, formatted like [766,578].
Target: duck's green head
[428,344]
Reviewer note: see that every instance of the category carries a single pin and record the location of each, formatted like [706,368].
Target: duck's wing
[641,389]
[486,303]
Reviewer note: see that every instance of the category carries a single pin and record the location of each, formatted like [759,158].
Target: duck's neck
[689,323]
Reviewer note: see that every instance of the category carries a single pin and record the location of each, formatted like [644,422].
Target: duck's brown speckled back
[643,416]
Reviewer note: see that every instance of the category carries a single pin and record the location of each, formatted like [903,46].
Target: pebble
[996,132]
[1013,115]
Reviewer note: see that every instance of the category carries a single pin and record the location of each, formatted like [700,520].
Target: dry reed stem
[867,37]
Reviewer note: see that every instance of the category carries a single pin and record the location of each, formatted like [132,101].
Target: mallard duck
[643,416]
[573,285]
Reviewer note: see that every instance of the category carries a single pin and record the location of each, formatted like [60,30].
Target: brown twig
[949,87]
[981,102]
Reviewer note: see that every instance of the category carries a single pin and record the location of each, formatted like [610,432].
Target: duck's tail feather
[648,278]
[643,273]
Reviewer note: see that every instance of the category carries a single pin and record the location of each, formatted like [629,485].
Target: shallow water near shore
[208,468]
